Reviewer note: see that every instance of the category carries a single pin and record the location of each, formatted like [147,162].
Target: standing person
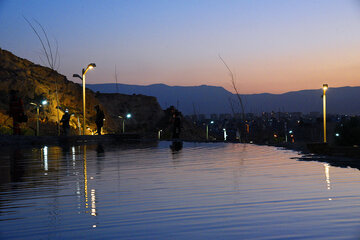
[16,111]
[65,120]
[176,125]
[99,119]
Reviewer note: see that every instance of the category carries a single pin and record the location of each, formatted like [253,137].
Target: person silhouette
[99,119]
[176,125]
[16,111]
[65,120]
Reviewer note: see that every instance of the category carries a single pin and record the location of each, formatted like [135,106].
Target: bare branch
[231,74]
[41,41]
[116,79]
[234,86]
[57,56]
[48,43]
[53,60]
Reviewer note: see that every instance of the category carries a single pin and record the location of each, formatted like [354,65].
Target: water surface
[149,191]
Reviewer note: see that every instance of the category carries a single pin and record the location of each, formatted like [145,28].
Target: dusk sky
[272,45]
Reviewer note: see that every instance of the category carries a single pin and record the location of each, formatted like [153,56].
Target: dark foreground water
[204,191]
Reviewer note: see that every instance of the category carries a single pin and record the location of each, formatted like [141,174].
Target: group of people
[17,113]
[65,120]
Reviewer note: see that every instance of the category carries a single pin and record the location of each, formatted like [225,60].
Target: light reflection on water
[197,191]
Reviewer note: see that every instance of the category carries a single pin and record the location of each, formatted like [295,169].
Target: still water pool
[149,191]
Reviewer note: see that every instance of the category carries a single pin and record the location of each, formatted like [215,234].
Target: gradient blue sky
[272,45]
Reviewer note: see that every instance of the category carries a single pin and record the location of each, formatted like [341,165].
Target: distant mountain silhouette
[211,99]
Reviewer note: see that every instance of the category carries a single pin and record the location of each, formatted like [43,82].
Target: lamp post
[43,103]
[84,71]
[325,87]
[128,116]
[207,130]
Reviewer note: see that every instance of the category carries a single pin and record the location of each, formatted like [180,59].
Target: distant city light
[290,131]
[337,134]
[44,102]
[212,122]
[128,115]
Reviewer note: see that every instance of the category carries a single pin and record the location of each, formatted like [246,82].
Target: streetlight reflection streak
[85,179]
[327,175]
[93,205]
[325,88]
[45,151]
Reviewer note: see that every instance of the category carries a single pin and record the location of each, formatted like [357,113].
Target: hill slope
[35,82]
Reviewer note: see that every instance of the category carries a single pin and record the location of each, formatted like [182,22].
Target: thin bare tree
[52,57]
[116,81]
[233,82]
[242,120]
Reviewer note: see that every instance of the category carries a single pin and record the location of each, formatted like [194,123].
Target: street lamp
[84,71]
[38,106]
[325,87]
[128,116]
[207,130]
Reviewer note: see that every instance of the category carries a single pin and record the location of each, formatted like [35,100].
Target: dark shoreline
[338,156]
[38,141]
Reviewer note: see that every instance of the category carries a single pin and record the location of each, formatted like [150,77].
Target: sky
[272,46]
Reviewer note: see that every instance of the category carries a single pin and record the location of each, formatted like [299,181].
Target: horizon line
[309,89]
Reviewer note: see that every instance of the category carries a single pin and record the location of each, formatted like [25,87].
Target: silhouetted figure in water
[176,146]
[17,168]
[175,120]
[65,120]
[100,152]
[99,120]
[176,125]
[16,111]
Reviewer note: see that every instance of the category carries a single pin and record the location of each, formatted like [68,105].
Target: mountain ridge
[206,99]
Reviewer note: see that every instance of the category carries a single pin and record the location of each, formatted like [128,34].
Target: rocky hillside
[145,111]
[35,83]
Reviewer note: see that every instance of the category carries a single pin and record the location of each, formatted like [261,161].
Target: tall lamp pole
[43,103]
[325,87]
[84,71]
[128,116]
[207,130]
